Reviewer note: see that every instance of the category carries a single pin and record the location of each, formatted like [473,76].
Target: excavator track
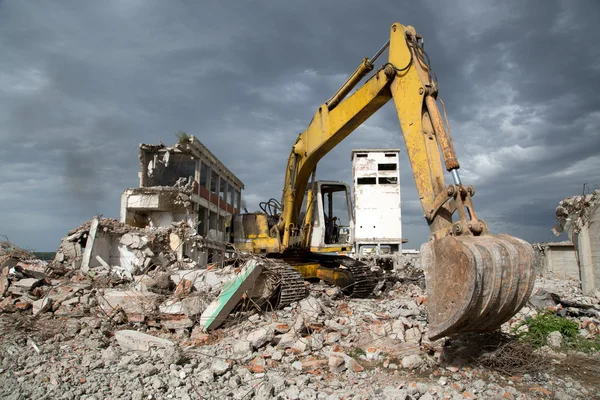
[356,280]
[291,285]
[364,281]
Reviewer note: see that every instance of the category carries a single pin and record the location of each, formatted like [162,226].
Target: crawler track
[364,281]
[291,283]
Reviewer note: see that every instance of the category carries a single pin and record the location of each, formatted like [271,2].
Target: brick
[184,287]
[353,366]
[257,369]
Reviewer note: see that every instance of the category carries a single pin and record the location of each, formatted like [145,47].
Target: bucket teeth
[475,284]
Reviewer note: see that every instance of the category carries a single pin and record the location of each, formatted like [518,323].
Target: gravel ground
[325,347]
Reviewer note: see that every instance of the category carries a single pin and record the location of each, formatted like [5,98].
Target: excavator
[475,280]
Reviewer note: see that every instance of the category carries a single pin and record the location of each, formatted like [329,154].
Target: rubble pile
[138,250]
[323,347]
[573,212]
[154,284]
[8,250]
[171,329]
[23,266]
[564,298]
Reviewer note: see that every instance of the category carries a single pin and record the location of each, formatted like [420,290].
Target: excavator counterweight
[475,280]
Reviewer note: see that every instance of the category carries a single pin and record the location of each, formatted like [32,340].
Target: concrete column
[586,267]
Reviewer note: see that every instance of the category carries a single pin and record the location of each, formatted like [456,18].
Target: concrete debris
[41,305]
[133,303]
[11,254]
[122,336]
[541,300]
[108,247]
[133,340]
[413,361]
[133,275]
[219,367]
[573,212]
[555,339]
[347,348]
[259,337]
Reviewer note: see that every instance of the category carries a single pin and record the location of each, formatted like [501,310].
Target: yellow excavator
[475,280]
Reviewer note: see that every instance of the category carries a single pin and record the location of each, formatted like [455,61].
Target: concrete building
[579,218]
[377,214]
[183,184]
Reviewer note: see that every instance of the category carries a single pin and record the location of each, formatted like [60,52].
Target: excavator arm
[405,78]
[475,280]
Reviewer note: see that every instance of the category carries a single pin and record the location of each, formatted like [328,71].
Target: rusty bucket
[475,284]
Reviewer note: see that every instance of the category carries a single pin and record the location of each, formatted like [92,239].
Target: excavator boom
[475,280]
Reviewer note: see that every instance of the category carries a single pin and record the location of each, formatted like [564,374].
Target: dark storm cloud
[83,83]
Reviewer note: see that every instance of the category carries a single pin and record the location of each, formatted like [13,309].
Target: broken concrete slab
[218,311]
[159,283]
[171,307]
[541,299]
[194,306]
[412,361]
[311,307]
[103,263]
[219,367]
[28,283]
[130,301]
[59,294]
[260,336]
[134,340]
[89,247]
[41,305]
[133,240]
[202,279]
[130,262]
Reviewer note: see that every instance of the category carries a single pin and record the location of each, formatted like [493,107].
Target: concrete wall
[107,247]
[561,263]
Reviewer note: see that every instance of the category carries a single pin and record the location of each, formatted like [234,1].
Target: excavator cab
[332,224]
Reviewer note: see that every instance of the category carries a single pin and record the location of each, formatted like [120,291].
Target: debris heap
[166,327]
[135,275]
[573,212]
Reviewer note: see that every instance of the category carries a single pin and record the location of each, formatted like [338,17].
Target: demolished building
[579,217]
[187,184]
[169,256]
[179,213]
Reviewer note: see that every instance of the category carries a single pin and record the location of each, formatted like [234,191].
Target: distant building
[377,213]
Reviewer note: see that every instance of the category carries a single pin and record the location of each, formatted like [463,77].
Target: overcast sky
[82,83]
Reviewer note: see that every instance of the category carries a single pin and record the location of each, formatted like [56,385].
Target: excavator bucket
[475,283]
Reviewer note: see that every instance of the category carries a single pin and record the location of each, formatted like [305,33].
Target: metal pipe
[381,50]
[455,177]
